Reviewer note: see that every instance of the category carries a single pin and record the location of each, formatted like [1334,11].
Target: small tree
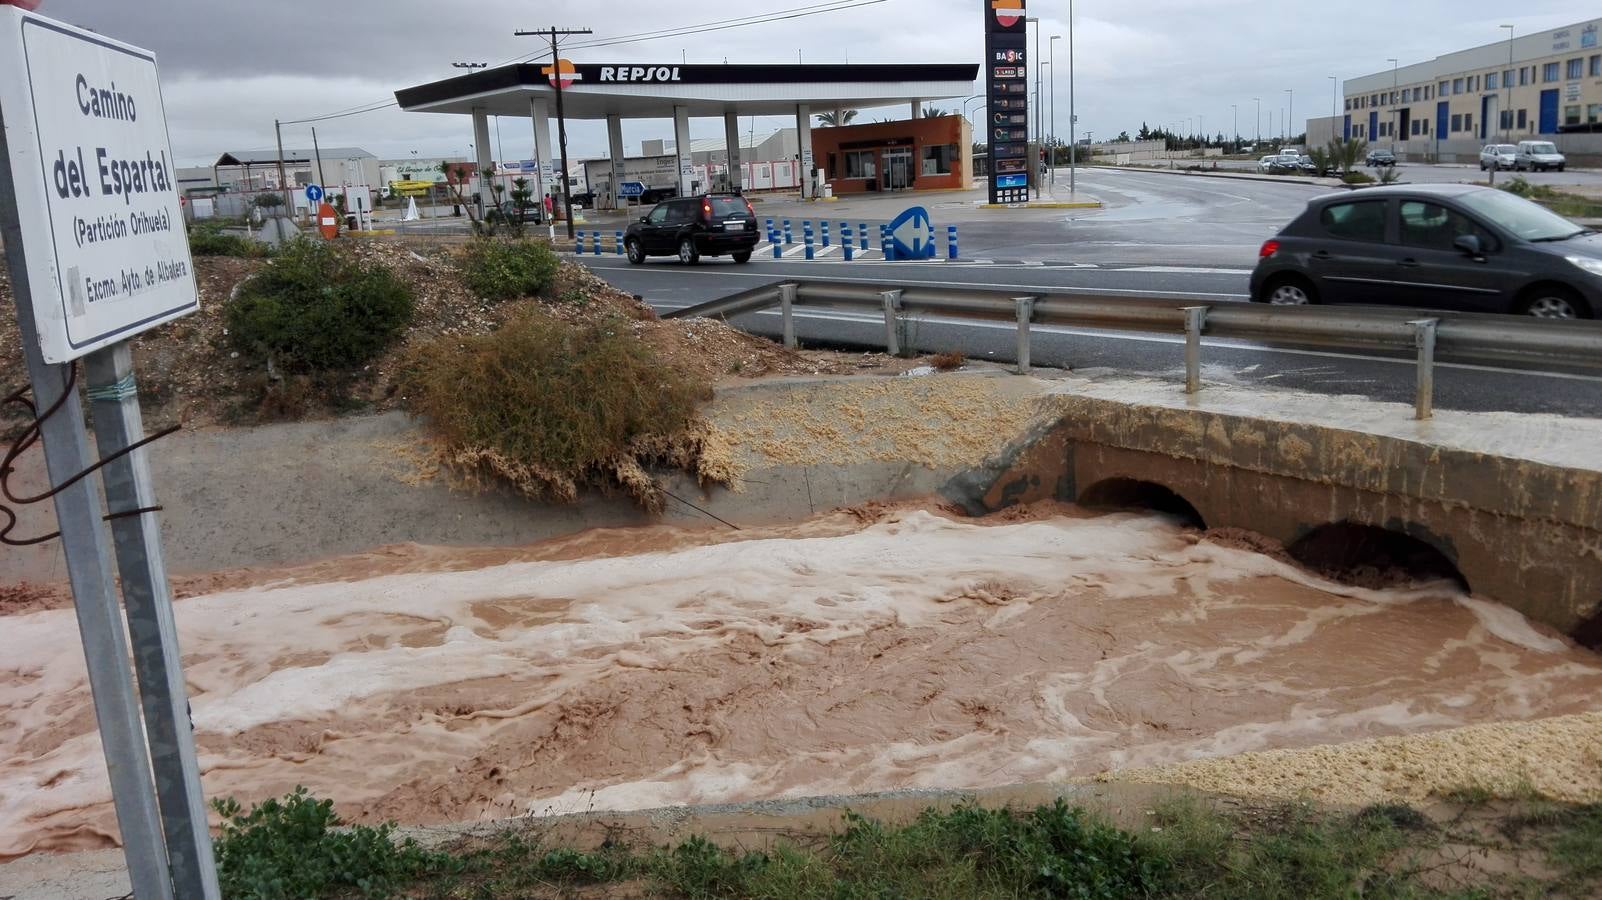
[845,118]
[268,202]
[933,112]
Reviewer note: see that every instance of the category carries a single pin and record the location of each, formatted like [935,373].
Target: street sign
[631,188]
[314,193]
[327,221]
[912,234]
[92,169]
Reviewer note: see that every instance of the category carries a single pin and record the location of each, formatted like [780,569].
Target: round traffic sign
[314,193]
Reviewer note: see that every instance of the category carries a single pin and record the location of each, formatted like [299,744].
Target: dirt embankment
[189,372]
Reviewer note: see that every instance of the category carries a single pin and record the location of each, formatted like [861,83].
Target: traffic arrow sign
[912,234]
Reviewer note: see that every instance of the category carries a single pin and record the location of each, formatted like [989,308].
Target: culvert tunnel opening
[1373,557]
[1135,495]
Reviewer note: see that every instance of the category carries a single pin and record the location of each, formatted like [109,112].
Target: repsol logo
[640,73]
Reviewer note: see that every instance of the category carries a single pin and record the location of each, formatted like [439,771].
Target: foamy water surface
[916,651]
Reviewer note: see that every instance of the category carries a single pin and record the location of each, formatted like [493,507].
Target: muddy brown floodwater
[892,648]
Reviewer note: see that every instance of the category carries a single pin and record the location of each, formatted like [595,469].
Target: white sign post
[95,243]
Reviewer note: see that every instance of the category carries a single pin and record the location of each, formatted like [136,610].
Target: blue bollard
[884,243]
[806,228]
[825,234]
[770,226]
[578,243]
[788,236]
[845,240]
[808,240]
[778,248]
[617,242]
[596,251]
[862,234]
[951,242]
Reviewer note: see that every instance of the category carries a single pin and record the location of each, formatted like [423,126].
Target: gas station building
[680,92]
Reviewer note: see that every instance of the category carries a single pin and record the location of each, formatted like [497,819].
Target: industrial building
[1546,85]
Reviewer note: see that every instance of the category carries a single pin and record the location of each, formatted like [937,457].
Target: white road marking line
[1187,270]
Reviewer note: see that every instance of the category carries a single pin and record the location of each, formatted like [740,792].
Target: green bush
[1357,178]
[210,240]
[317,308]
[549,405]
[288,848]
[502,270]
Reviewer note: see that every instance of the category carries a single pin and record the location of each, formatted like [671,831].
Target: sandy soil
[889,648]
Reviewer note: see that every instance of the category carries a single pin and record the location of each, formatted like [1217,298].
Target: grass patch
[503,270]
[208,239]
[290,848]
[1565,204]
[551,406]
[316,308]
[1190,848]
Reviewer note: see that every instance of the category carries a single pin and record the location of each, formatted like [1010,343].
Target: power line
[637,38]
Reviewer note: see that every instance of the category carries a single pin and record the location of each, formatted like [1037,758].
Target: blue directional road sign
[630,188]
[314,193]
[912,234]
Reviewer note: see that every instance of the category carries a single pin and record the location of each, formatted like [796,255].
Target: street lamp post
[1039,125]
[1073,118]
[1396,111]
[1259,102]
[1045,139]
[1234,111]
[1051,52]
[1507,132]
[1284,122]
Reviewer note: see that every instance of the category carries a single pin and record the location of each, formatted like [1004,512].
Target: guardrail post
[787,294]
[1195,320]
[1026,313]
[892,306]
[1424,339]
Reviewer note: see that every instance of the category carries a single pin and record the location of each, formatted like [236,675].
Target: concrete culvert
[1370,556]
[1133,494]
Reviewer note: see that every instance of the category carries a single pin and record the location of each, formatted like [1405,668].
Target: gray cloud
[231,68]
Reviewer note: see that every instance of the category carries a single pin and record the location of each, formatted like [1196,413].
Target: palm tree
[933,112]
[828,118]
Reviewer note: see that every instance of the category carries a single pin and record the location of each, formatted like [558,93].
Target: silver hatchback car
[1498,156]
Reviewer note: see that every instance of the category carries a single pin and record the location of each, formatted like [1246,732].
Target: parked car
[1377,158]
[1444,246]
[1498,156]
[1280,162]
[693,227]
[1538,156]
[532,214]
[658,194]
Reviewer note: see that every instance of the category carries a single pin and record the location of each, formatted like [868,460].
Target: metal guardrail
[1469,338]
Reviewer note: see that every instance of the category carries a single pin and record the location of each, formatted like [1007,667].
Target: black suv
[693,227]
[1377,158]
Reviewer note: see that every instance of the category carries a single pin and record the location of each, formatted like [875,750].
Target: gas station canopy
[635,90]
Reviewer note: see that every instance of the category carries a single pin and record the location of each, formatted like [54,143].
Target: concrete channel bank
[1512,503]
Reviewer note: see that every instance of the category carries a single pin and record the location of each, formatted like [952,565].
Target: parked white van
[1538,156]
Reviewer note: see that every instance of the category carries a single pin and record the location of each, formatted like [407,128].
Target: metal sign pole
[105,643]
[147,599]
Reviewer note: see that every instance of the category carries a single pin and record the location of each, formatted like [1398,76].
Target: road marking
[1186,270]
[1221,343]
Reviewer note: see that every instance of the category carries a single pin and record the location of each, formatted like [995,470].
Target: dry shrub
[550,406]
[947,361]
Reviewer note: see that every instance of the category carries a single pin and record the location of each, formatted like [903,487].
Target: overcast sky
[229,69]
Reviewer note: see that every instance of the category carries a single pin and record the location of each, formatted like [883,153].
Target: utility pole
[1285,122]
[1052,53]
[283,185]
[1259,139]
[1039,119]
[561,119]
[317,152]
[1507,132]
[1073,119]
[1234,110]
[1396,111]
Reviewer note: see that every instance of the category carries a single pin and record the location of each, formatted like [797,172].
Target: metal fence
[1430,334]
